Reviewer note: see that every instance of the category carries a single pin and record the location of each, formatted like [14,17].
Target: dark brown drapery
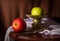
[11,9]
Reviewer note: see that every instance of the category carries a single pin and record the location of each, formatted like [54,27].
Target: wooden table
[36,36]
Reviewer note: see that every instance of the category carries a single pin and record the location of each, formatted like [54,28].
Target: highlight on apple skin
[19,25]
[36,11]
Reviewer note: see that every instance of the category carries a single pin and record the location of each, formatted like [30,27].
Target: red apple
[18,25]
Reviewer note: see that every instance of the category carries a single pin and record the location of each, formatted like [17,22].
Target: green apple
[36,11]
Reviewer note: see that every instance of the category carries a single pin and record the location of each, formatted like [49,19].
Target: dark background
[11,9]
